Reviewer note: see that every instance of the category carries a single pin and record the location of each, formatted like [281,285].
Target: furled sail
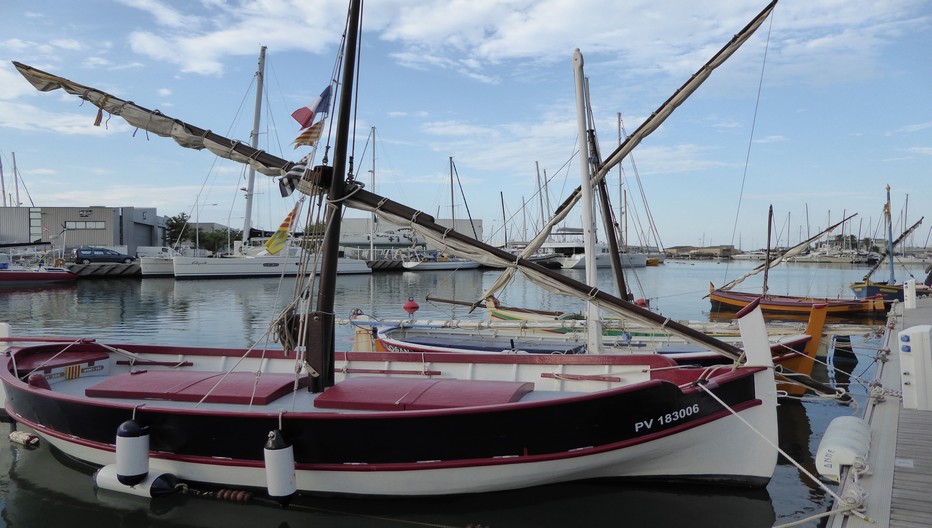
[788,254]
[886,252]
[154,121]
[646,128]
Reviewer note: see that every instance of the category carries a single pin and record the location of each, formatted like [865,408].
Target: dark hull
[567,429]
[456,437]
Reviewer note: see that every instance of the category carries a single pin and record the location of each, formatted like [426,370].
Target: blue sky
[840,108]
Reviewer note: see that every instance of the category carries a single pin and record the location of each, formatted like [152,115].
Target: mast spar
[254,142]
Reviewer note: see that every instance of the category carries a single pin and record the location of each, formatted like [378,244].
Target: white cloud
[164,14]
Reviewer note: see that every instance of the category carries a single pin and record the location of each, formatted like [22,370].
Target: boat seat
[192,386]
[408,394]
[56,365]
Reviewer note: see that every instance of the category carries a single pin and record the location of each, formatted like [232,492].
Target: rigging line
[652,226]
[747,158]
[799,466]
[465,203]
[352,148]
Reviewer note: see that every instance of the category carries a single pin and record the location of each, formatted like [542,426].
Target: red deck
[193,386]
[400,394]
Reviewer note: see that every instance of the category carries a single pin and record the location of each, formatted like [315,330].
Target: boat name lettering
[395,348]
[667,418]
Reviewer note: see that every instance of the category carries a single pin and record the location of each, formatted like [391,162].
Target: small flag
[277,241]
[321,105]
[286,185]
[310,136]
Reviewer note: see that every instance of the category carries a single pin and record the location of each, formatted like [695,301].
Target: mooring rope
[838,499]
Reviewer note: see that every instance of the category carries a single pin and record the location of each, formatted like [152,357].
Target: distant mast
[888,217]
[2,185]
[254,143]
[16,203]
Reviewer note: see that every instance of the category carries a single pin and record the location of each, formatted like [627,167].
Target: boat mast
[889,219]
[2,184]
[501,197]
[767,254]
[321,331]
[373,220]
[593,320]
[16,203]
[254,143]
[452,200]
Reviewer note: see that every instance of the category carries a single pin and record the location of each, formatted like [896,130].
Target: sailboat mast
[16,203]
[767,254]
[501,196]
[2,184]
[593,321]
[889,219]
[373,220]
[321,358]
[254,143]
[452,200]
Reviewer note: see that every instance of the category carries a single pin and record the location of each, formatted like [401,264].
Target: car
[86,255]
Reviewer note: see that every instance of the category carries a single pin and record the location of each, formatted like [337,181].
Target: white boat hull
[249,266]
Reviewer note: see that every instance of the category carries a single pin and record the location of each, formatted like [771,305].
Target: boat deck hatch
[192,386]
[402,394]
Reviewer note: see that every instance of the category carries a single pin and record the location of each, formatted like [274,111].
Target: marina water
[39,489]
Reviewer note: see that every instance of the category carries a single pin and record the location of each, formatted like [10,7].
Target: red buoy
[643,303]
[411,306]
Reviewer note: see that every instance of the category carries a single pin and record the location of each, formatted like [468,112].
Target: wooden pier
[895,490]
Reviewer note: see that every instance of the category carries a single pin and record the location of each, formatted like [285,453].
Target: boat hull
[784,304]
[12,277]
[889,293]
[642,430]
[244,267]
[439,265]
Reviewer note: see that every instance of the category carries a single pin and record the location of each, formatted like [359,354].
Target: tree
[178,228]
[217,241]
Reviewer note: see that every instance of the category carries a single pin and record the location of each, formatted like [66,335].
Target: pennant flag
[277,241]
[321,105]
[310,136]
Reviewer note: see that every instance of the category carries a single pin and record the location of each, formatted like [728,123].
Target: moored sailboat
[446,424]
[889,290]
[724,299]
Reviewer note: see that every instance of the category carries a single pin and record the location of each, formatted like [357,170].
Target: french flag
[305,115]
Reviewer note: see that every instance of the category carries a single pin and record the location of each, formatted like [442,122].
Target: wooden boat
[414,337]
[303,418]
[731,301]
[725,299]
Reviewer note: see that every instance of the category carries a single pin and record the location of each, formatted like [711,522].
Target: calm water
[36,489]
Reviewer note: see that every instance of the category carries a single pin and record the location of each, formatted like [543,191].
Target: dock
[895,487]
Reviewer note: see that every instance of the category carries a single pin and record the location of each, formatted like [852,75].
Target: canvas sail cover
[154,121]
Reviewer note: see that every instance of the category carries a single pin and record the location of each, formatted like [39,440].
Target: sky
[823,107]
